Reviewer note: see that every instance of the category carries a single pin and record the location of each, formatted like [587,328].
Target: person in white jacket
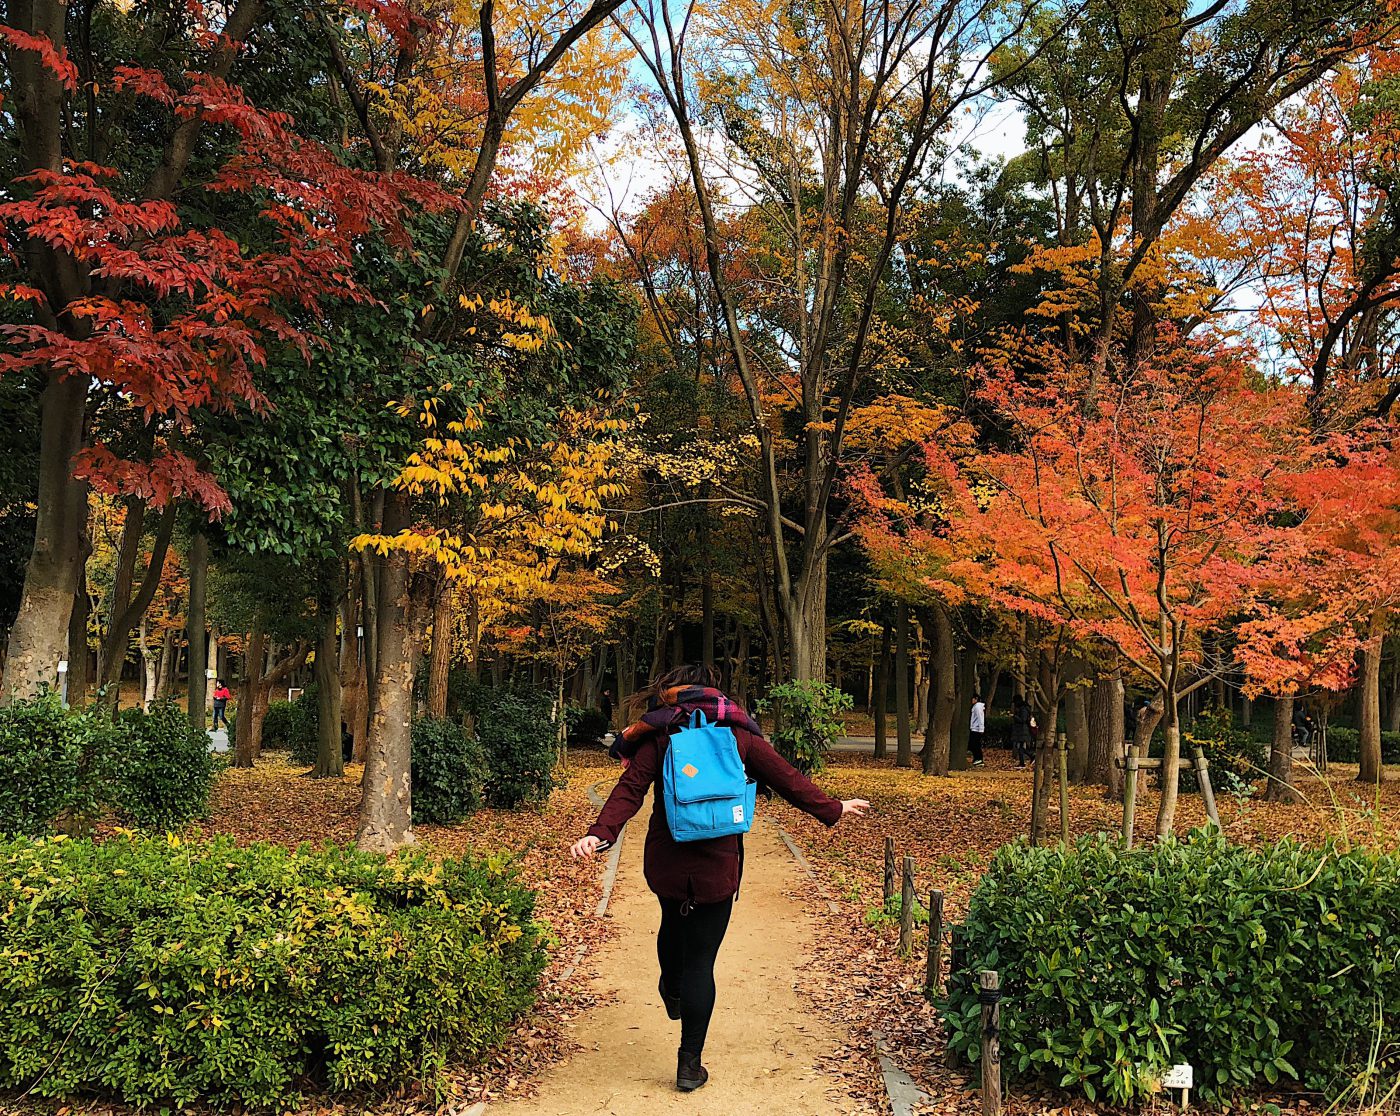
[977,730]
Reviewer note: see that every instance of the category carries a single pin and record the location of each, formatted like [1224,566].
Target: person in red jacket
[695,881]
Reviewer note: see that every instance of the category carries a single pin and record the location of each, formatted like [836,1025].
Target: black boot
[673,1003]
[690,1074]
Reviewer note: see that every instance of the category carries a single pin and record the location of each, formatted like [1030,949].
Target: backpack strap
[697,719]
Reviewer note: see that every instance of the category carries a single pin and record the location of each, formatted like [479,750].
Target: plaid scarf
[672,708]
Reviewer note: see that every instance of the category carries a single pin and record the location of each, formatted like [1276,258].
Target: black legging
[686,946]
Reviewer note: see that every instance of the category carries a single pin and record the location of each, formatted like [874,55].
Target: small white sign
[62,666]
[209,674]
[738,815]
[1180,1076]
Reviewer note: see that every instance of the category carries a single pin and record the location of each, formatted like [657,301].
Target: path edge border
[902,1092]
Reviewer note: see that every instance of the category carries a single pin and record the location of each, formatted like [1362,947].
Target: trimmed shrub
[1344,745]
[586,726]
[159,777]
[1237,758]
[449,772]
[168,973]
[45,751]
[1254,966]
[519,736]
[807,716]
[295,727]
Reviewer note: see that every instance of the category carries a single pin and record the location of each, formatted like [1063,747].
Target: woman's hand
[856,806]
[585,847]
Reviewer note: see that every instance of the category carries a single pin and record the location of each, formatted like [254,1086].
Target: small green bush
[1256,967]
[808,719]
[167,973]
[519,736]
[45,752]
[280,726]
[449,772]
[1237,758]
[1344,745]
[160,776]
[586,726]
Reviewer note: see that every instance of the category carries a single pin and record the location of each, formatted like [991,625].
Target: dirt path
[763,1045]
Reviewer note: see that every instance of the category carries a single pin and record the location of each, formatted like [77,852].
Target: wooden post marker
[934,969]
[889,871]
[989,993]
[906,909]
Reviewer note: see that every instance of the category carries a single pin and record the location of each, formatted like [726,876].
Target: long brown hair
[692,674]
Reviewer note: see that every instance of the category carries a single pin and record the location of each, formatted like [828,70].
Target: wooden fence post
[989,985]
[1203,781]
[1130,775]
[889,872]
[906,909]
[934,969]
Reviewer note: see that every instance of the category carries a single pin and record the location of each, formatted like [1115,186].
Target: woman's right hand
[585,847]
[856,806]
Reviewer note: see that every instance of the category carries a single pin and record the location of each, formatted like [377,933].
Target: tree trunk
[245,739]
[330,755]
[966,675]
[386,810]
[127,609]
[918,713]
[707,618]
[1106,733]
[1280,787]
[1077,730]
[440,661]
[1369,726]
[805,614]
[195,635]
[148,670]
[165,669]
[1392,710]
[78,657]
[904,745]
[938,743]
[882,693]
[1171,766]
[39,637]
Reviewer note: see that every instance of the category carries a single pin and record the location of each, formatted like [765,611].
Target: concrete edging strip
[609,879]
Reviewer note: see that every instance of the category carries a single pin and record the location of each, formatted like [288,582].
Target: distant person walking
[977,730]
[605,706]
[1022,729]
[695,881]
[221,696]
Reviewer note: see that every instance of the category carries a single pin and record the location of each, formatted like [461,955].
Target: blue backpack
[703,784]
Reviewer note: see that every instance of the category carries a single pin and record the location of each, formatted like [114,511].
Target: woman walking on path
[695,881]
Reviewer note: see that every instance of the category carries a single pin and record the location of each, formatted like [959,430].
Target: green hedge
[520,738]
[449,771]
[1254,966]
[60,765]
[159,972]
[1344,745]
[46,757]
[160,774]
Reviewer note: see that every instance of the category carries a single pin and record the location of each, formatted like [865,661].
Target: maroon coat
[702,871]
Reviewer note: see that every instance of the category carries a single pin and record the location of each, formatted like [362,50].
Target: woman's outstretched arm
[624,801]
[764,763]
